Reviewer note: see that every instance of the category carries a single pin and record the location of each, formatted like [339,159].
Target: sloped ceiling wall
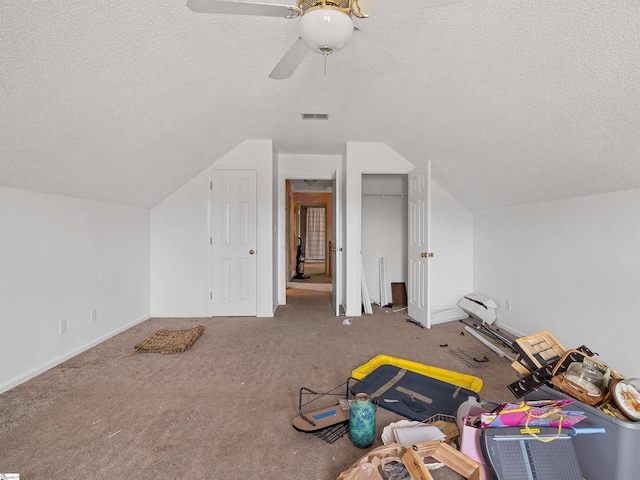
[513,101]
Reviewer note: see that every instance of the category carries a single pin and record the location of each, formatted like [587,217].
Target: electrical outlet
[94,315]
[507,304]
[63,326]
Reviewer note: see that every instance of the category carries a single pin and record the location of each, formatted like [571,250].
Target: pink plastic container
[470,443]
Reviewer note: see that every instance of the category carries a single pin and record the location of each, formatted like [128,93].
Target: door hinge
[210,240]
[210,185]
[210,295]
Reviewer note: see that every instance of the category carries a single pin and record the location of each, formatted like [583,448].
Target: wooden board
[323,418]
[539,349]
[452,458]
[366,299]
[367,468]
[399,294]
[382,281]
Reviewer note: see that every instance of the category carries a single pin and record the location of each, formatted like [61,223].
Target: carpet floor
[223,408]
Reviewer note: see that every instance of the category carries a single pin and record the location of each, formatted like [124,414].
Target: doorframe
[282,262]
[374,159]
[358,234]
[392,256]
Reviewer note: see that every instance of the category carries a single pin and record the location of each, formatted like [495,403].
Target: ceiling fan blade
[380,7]
[291,60]
[240,8]
[374,54]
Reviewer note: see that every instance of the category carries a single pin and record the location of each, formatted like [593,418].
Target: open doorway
[384,218]
[309,230]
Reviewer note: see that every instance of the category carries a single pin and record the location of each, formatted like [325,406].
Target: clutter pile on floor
[573,417]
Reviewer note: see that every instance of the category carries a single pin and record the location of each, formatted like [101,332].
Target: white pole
[488,343]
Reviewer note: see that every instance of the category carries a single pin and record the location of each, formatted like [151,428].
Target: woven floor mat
[169,341]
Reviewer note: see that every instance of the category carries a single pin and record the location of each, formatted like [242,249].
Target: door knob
[251,252]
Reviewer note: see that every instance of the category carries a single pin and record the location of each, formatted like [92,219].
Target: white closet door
[419,253]
[233,243]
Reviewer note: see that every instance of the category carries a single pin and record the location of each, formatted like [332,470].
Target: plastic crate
[602,456]
[454,378]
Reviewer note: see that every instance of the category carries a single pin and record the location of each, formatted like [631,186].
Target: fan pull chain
[325,63]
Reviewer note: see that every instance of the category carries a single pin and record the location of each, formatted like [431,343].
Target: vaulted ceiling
[513,101]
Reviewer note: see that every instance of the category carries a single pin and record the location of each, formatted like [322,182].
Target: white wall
[179,286]
[452,245]
[179,261]
[179,238]
[60,258]
[384,233]
[571,267]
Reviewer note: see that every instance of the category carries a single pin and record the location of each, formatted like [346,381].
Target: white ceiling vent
[315,116]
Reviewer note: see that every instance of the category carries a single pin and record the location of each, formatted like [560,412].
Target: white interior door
[336,243]
[233,243]
[419,253]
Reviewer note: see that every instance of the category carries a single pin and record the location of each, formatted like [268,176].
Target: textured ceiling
[513,101]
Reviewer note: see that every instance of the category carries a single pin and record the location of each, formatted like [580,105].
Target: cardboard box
[369,467]
[479,307]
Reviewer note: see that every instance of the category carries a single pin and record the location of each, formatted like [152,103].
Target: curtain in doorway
[314,248]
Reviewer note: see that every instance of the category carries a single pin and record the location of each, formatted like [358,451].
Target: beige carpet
[221,410]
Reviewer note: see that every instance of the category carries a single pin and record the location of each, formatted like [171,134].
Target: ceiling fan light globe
[326,30]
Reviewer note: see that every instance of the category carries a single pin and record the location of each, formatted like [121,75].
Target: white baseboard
[14,382]
[509,329]
[440,322]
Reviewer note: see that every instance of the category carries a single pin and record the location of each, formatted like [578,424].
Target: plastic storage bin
[614,455]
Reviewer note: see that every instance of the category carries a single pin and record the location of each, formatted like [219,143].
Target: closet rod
[401,195]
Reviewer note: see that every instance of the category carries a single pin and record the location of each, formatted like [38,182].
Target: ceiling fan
[326,26]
